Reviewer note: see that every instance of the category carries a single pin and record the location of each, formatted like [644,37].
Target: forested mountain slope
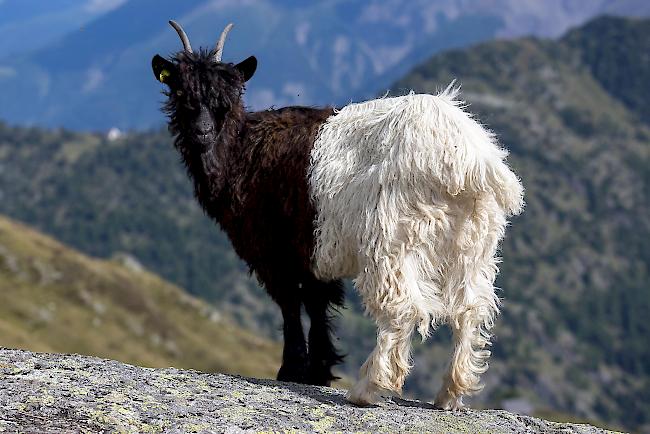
[574,330]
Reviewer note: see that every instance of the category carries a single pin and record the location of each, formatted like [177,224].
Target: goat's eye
[179,93]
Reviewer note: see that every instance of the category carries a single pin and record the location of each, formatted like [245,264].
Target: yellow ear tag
[163,75]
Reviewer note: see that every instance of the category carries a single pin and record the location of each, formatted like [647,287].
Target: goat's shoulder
[285,129]
[288,117]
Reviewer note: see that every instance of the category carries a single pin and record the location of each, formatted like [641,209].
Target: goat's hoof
[449,403]
[364,394]
[320,380]
[320,376]
[292,375]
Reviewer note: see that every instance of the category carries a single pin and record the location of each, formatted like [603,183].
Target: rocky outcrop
[55,393]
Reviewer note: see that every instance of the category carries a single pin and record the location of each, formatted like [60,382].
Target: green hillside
[55,299]
[572,337]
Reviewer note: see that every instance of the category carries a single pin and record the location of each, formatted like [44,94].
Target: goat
[407,195]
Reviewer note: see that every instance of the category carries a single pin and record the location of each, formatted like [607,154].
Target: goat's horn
[222,41]
[184,39]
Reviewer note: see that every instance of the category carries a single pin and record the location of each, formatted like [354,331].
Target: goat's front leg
[319,297]
[294,355]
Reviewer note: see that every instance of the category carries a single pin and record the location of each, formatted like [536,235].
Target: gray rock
[56,393]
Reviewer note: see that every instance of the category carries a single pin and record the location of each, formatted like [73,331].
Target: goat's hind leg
[387,300]
[469,360]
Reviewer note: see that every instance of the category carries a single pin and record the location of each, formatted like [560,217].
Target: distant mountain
[97,76]
[27,25]
[55,299]
[617,55]
[573,334]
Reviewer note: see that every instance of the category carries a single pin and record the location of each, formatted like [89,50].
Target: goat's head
[204,92]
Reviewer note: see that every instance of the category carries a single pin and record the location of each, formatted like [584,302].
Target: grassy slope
[55,299]
[130,195]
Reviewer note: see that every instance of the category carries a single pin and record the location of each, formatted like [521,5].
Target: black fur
[250,175]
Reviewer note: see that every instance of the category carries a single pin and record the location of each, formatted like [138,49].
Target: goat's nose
[204,126]
[204,123]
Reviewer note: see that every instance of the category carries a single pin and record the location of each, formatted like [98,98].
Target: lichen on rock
[56,393]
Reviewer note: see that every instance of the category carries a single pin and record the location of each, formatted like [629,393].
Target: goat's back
[392,173]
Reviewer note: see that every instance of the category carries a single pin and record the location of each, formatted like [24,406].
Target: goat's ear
[247,67]
[162,69]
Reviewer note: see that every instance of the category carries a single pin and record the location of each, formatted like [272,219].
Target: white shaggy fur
[412,197]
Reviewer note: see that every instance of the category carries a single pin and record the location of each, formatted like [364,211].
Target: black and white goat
[408,195]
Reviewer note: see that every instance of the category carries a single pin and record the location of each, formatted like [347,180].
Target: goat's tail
[471,159]
[508,190]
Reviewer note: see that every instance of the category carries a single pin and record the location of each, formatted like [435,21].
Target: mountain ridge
[318,53]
